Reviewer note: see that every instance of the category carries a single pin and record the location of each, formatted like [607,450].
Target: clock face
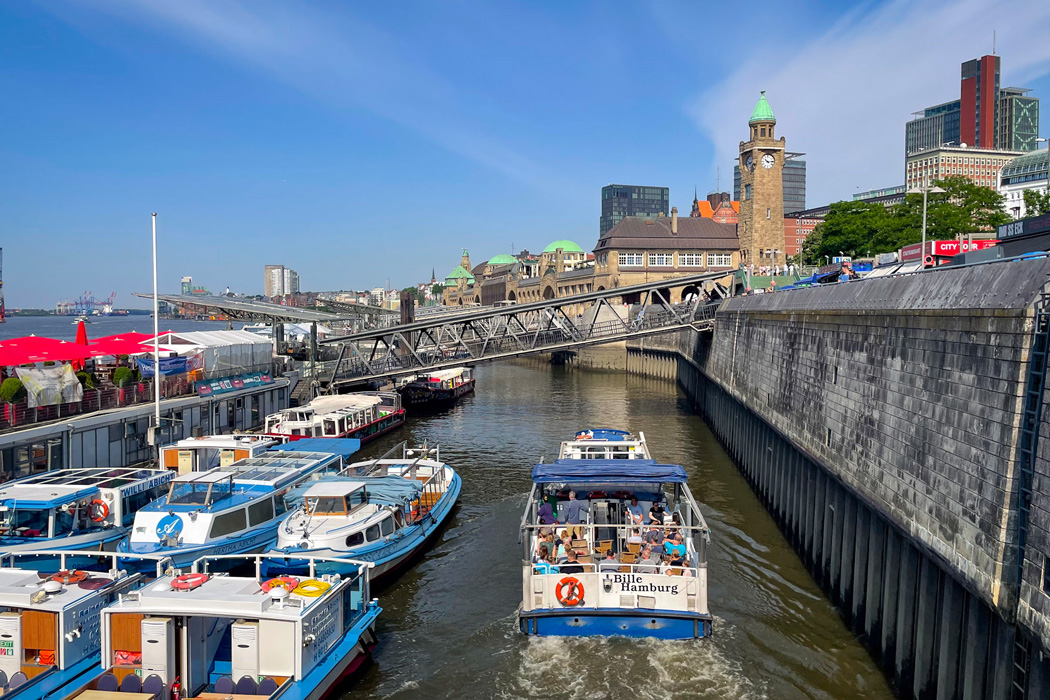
[767,161]
[750,163]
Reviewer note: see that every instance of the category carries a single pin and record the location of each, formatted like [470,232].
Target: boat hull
[661,624]
[183,558]
[103,541]
[424,398]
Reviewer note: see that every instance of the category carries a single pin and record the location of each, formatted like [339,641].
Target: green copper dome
[503,259]
[567,246]
[458,273]
[763,112]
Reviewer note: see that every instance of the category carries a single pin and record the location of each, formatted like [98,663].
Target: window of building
[660,260]
[747,191]
[690,259]
[719,259]
[630,260]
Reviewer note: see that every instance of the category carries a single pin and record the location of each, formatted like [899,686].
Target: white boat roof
[211,476]
[219,596]
[333,488]
[220,441]
[330,404]
[50,489]
[444,374]
[18,585]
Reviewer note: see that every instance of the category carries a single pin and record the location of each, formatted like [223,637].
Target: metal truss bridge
[498,333]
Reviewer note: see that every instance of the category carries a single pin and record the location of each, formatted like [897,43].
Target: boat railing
[163,562]
[609,567]
[694,537]
[201,565]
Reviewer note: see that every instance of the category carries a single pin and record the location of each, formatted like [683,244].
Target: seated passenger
[675,546]
[544,566]
[656,514]
[655,537]
[609,563]
[571,566]
[635,537]
[546,514]
[647,563]
[634,512]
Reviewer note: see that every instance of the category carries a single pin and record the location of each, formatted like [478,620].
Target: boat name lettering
[636,584]
[147,485]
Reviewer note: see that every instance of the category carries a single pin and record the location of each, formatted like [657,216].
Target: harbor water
[448,628]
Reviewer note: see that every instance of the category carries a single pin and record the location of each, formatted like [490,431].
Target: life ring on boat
[288,583]
[312,588]
[187,582]
[574,596]
[99,510]
[66,577]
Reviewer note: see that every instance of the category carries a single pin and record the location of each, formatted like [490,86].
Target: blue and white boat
[382,511]
[622,594]
[605,443]
[227,510]
[236,636]
[50,630]
[89,509]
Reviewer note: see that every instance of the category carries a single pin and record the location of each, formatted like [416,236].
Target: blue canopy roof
[608,471]
[609,434]
[391,490]
[344,447]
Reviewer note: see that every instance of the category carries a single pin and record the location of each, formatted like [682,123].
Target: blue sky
[357,142]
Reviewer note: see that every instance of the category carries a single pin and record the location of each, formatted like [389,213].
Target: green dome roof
[763,112]
[503,259]
[567,246]
[458,273]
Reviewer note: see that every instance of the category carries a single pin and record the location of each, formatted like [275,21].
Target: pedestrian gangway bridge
[498,333]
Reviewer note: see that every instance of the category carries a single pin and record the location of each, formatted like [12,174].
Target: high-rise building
[1018,120]
[619,201]
[291,281]
[933,127]
[794,183]
[761,225]
[979,94]
[273,280]
[979,165]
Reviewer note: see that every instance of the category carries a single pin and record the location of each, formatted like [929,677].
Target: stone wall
[910,391]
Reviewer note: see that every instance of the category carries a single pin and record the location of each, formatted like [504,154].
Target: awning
[131,337]
[594,471]
[32,348]
[119,345]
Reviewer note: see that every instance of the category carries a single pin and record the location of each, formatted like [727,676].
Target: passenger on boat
[655,537]
[647,564]
[676,546]
[571,566]
[544,566]
[656,514]
[635,537]
[609,563]
[546,514]
[573,515]
[634,511]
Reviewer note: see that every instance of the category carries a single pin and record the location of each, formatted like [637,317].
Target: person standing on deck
[574,517]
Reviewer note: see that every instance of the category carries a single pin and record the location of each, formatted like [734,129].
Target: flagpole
[156,340]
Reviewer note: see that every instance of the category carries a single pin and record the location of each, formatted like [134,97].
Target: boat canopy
[344,447]
[393,490]
[603,434]
[607,471]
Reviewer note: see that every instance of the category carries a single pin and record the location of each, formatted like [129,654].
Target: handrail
[631,566]
[201,565]
[114,557]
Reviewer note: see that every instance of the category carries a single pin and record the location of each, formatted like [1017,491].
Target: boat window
[355,539]
[25,523]
[356,499]
[260,512]
[326,505]
[280,504]
[329,427]
[198,494]
[63,522]
[372,533]
[227,523]
[387,526]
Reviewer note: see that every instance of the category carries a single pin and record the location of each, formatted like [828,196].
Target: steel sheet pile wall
[881,422]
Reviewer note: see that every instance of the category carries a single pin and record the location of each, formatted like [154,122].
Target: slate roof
[694,233]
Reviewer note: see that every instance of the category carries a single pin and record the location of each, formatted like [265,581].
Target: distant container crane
[86,304]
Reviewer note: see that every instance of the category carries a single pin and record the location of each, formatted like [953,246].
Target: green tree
[963,208]
[849,228]
[1036,203]
[436,290]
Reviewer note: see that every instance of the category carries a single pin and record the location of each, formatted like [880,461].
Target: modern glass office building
[619,201]
[934,127]
[1018,120]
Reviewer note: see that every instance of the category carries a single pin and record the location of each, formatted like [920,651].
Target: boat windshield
[22,522]
[336,505]
[198,494]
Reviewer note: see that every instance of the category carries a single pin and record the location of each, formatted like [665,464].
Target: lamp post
[925,191]
[1047,142]
[156,343]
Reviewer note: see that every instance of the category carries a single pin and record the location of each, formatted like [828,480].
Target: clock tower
[761,223]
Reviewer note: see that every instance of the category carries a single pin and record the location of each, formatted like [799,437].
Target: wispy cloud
[337,59]
[843,97]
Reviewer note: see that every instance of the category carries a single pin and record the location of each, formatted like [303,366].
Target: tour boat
[202,634]
[605,443]
[623,595]
[197,454]
[364,416]
[88,508]
[382,511]
[50,627]
[438,389]
[226,510]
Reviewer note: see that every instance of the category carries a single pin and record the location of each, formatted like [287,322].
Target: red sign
[942,248]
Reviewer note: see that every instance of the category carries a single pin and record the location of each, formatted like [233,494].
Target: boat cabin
[333,416]
[446,378]
[201,453]
[604,443]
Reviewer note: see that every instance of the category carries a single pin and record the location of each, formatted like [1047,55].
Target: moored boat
[50,627]
[87,508]
[196,454]
[438,389]
[226,510]
[363,416]
[382,511]
[609,582]
[218,636]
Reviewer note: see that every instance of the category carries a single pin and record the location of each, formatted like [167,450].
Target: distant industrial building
[794,182]
[279,280]
[621,201]
[189,288]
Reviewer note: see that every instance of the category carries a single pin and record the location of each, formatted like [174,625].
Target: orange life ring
[575,593]
[187,582]
[288,583]
[99,507]
[67,577]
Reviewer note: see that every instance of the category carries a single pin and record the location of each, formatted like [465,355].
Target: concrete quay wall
[882,423]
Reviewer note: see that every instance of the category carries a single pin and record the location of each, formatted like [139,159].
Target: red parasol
[119,345]
[31,348]
[132,336]
[81,339]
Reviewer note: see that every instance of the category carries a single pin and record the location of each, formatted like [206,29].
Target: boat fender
[187,582]
[288,583]
[99,510]
[67,577]
[312,588]
[574,594]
